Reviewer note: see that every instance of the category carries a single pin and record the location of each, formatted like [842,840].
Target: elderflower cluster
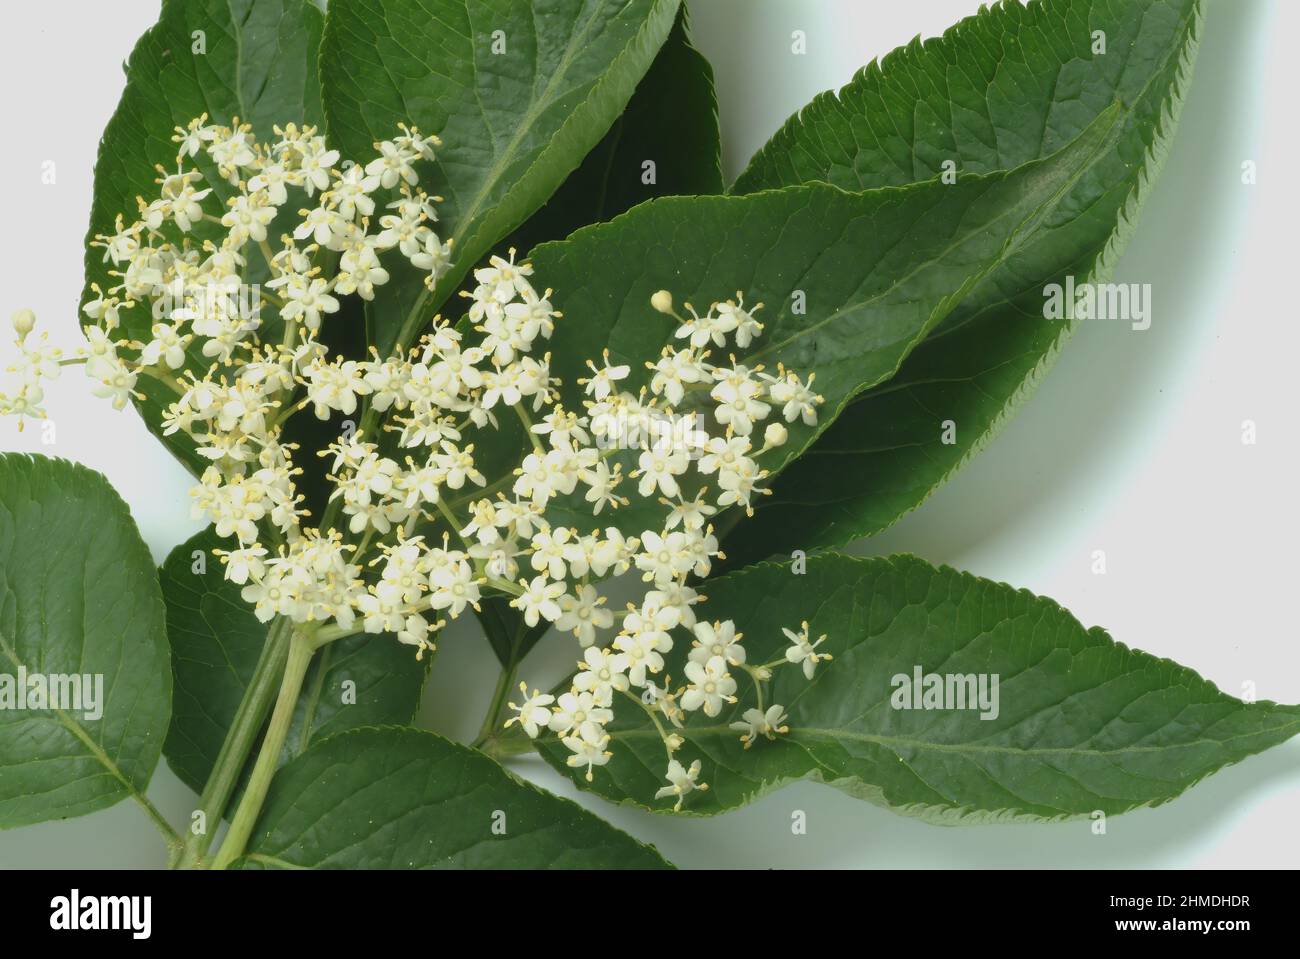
[696,424]
[414,529]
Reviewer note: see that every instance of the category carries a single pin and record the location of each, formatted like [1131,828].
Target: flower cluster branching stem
[411,526]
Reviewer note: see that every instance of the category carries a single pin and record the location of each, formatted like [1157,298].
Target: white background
[1132,445]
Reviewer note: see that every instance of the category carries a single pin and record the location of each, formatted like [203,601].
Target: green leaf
[359,681]
[1004,87]
[1083,723]
[877,271]
[514,124]
[407,799]
[671,121]
[258,62]
[78,597]
[507,633]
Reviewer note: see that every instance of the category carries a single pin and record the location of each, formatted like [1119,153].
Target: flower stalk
[244,729]
[302,647]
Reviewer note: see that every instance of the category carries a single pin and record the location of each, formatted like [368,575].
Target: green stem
[160,822]
[505,682]
[248,722]
[301,648]
[512,633]
[528,428]
[654,718]
[503,747]
[450,517]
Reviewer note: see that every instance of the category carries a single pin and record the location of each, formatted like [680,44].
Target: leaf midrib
[798,734]
[534,110]
[466,217]
[1003,256]
[96,751]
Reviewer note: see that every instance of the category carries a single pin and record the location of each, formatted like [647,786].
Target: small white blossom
[681,781]
[533,714]
[756,722]
[803,651]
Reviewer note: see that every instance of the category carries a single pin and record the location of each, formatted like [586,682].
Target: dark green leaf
[407,799]
[78,598]
[514,123]
[878,270]
[1083,723]
[1002,88]
[507,633]
[217,640]
[671,121]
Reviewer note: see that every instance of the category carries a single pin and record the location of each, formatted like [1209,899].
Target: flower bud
[662,301]
[24,322]
[775,435]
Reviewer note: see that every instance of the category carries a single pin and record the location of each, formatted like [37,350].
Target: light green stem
[302,646]
[239,742]
[505,682]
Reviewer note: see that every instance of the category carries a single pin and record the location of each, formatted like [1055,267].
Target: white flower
[335,386]
[248,217]
[690,514]
[350,194]
[734,317]
[532,714]
[717,639]
[243,563]
[315,165]
[739,485]
[602,381]
[549,549]
[797,400]
[601,484]
[581,713]
[659,468]
[803,651]
[582,614]
[663,558]
[309,302]
[167,346]
[116,383]
[739,404]
[681,781]
[538,600]
[588,749]
[453,587]
[392,165]
[711,686]
[757,723]
[435,257]
[701,329]
[678,597]
[360,272]
[725,454]
[645,640]
[601,673]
